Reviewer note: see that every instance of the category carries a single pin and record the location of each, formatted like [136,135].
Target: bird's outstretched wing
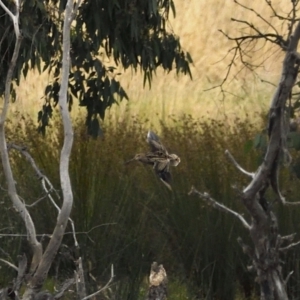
[161,168]
[155,144]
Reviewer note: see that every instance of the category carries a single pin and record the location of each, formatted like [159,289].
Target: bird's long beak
[128,161]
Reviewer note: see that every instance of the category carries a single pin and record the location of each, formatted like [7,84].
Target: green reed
[125,216]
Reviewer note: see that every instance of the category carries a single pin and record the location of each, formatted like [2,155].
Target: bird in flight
[159,158]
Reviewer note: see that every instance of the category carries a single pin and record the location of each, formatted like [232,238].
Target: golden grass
[197,23]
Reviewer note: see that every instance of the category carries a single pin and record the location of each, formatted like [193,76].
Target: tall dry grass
[197,23]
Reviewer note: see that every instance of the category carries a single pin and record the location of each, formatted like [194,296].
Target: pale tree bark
[263,228]
[12,190]
[42,270]
[41,262]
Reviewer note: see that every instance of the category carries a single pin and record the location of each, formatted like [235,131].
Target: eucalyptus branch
[64,214]
[48,193]
[15,18]
[229,155]
[12,190]
[206,197]
[29,158]
[9,264]
[44,180]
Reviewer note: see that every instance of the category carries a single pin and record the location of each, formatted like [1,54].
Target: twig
[112,275]
[288,277]
[44,180]
[49,235]
[229,155]
[288,238]
[288,203]
[64,287]
[58,209]
[23,151]
[9,264]
[206,197]
[284,249]
[37,201]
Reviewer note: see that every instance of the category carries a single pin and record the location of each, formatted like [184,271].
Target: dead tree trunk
[263,228]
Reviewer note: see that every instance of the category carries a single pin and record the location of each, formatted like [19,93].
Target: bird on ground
[158,275]
[158,281]
[159,158]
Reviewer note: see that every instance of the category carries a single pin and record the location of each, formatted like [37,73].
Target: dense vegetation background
[123,214]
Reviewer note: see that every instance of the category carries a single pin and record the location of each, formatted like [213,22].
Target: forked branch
[63,216]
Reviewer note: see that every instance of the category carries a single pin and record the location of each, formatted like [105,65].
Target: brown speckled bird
[159,158]
[157,283]
[158,275]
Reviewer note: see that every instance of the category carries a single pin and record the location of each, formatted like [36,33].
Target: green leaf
[173,8]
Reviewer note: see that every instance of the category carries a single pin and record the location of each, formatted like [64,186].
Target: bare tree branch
[64,287]
[288,277]
[9,264]
[24,152]
[112,275]
[229,155]
[284,249]
[206,197]
[63,216]
[44,180]
[15,18]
